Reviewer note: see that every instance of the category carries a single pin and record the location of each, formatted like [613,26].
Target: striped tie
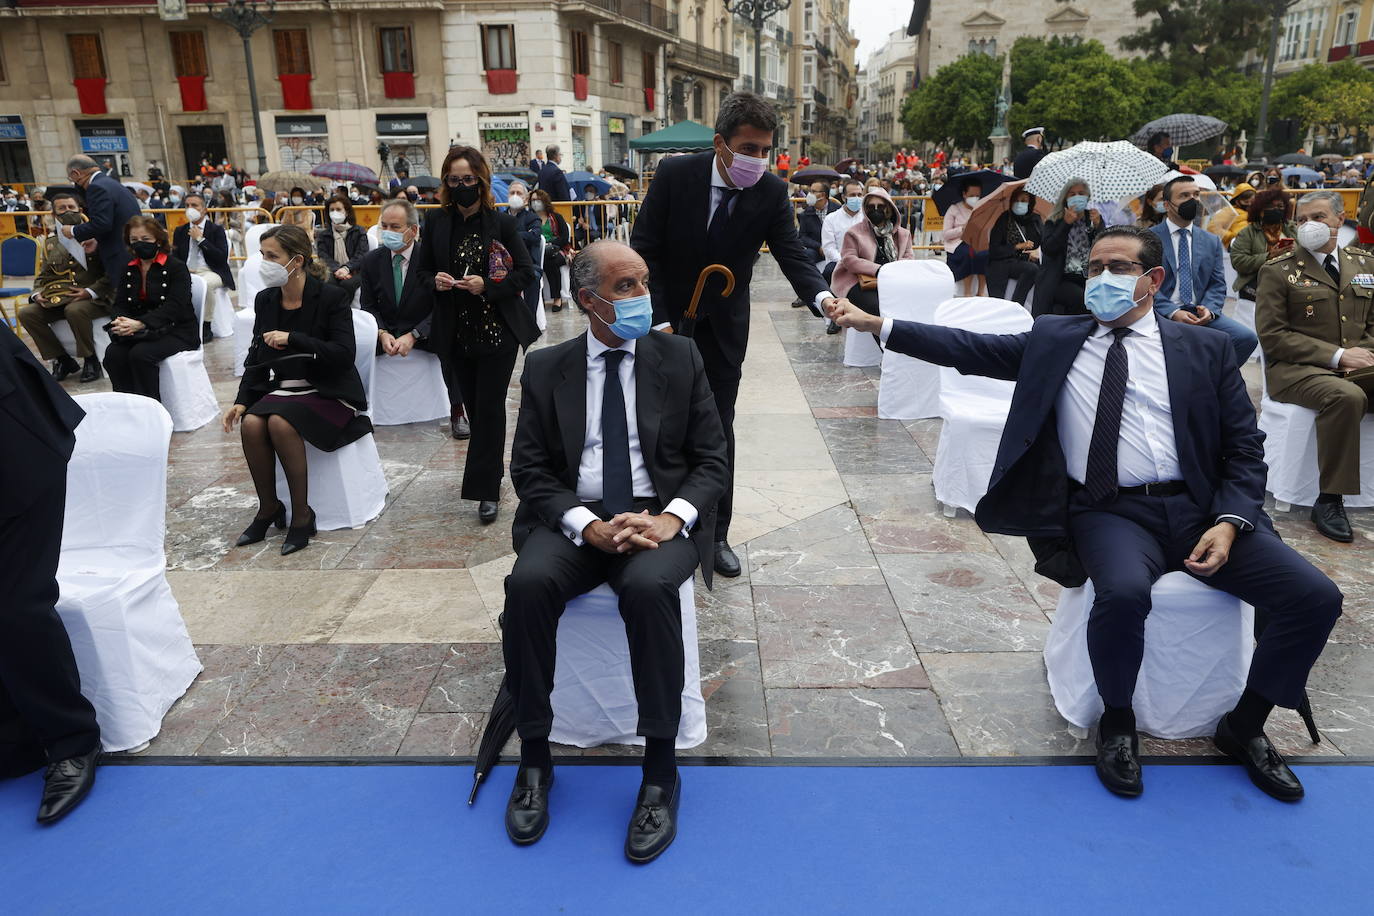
[1185,269]
[1101,479]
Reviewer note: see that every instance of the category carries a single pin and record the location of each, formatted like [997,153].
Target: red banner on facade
[648,100]
[500,82]
[295,91]
[90,92]
[192,93]
[579,86]
[399,85]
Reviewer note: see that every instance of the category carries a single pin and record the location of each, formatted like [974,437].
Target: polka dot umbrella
[1114,171]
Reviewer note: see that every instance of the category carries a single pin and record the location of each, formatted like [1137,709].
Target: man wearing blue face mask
[618,461]
[1131,450]
[721,207]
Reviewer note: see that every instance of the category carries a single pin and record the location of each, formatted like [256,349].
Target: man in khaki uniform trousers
[64,288]
[1315,316]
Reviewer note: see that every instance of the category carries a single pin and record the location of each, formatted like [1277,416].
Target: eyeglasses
[466,181]
[1119,268]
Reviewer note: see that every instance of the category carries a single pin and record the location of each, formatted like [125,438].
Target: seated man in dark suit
[43,716]
[203,245]
[1134,438]
[402,305]
[618,460]
[809,221]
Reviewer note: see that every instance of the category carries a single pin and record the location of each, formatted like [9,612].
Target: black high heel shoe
[258,530]
[298,538]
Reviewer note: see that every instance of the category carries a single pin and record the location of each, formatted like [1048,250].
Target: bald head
[603,272]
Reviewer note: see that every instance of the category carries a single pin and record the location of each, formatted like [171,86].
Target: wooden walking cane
[688,325]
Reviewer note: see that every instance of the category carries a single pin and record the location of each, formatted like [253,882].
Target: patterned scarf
[887,245]
[1080,247]
[340,249]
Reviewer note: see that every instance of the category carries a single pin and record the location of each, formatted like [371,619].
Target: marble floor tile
[468,681]
[828,548]
[1017,554]
[780,442]
[834,636]
[766,500]
[899,515]
[249,608]
[1341,688]
[1284,728]
[230,672]
[419,605]
[867,446]
[837,413]
[964,602]
[998,704]
[330,701]
[727,610]
[926,433]
[490,579]
[736,714]
[858,722]
[837,386]
[444,734]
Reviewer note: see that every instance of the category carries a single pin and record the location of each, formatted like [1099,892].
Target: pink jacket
[861,245]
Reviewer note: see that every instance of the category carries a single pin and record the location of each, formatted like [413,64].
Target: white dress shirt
[1174,230]
[833,229]
[589,471]
[195,261]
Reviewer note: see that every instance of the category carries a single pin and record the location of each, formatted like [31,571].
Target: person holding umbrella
[1065,241]
[1014,249]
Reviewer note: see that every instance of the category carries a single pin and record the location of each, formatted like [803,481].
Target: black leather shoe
[206,335]
[1118,764]
[727,564]
[459,428]
[486,511]
[797,303]
[1263,764]
[653,825]
[65,784]
[90,371]
[61,368]
[527,812]
[1331,521]
[832,328]
[258,529]
[298,538]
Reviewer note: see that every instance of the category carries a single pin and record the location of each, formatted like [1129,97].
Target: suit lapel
[570,399]
[650,386]
[699,196]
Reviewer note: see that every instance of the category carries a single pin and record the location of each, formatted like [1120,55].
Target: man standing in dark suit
[720,207]
[618,460]
[551,179]
[1134,437]
[1030,157]
[43,716]
[109,207]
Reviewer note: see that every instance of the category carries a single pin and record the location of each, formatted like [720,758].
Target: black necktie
[720,220]
[1111,398]
[617,486]
[1333,269]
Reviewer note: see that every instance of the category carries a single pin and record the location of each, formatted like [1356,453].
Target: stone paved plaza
[866,623]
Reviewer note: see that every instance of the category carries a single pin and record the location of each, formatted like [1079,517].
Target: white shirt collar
[717,179]
[595,347]
[1175,228]
[1146,325]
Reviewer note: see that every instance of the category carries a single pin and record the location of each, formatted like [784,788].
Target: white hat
[1031,130]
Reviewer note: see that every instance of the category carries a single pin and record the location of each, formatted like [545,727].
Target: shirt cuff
[1336,359]
[1236,520]
[575,520]
[90,292]
[663,326]
[821,297]
[685,511]
[885,332]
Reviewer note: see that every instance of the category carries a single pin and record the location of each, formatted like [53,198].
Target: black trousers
[866,299]
[1001,274]
[1132,540]
[724,379]
[484,382]
[553,270]
[550,571]
[533,293]
[1068,298]
[133,365]
[42,710]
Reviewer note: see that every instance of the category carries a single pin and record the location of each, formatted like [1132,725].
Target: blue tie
[617,486]
[1185,269]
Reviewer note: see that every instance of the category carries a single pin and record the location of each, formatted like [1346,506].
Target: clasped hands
[396,346]
[470,283]
[123,326]
[631,532]
[1201,316]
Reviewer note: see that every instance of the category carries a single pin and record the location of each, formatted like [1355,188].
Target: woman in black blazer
[1011,242]
[152,312]
[1065,241]
[474,256]
[340,245]
[299,383]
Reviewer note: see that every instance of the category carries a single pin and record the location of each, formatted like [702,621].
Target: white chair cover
[347,486]
[408,389]
[974,408]
[1290,450]
[186,390]
[909,291]
[243,336]
[541,318]
[860,349]
[63,330]
[222,318]
[252,242]
[250,281]
[593,693]
[131,645]
[1198,644]
[374,236]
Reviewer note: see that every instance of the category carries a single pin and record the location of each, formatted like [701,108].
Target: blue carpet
[795,840]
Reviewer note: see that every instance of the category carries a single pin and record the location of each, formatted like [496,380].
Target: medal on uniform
[1310,312]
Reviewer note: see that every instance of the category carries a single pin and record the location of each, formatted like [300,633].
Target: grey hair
[1058,212]
[412,214]
[551,151]
[81,163]
[1334,199]
[585,272]
[517,184]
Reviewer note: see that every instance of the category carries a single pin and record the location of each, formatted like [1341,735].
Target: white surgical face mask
[298,200]
[193,214]
[515,201]
[337,216]
[1313,235]
[273,274]
[537,206]
[811,200]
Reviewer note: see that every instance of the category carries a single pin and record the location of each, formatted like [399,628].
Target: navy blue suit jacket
[554,181]
[109,207]
[1220,448]
[214,248]
[1209,274]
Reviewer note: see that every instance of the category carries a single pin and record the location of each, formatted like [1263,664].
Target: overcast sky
[872,20]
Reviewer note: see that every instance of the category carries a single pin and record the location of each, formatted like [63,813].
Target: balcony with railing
[689,55]
[640,15]
[1343,52]
[821,98]
[767,88]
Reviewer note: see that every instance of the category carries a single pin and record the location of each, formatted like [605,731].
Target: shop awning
[684,136]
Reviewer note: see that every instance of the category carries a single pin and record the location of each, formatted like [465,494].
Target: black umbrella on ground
[815,173]
[500,726]
[619,171]
[1297,159]
[952,191]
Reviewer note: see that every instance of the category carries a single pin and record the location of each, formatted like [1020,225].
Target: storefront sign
[302,127]
[615,125]
[402,125]
[503,122]
[12,128]
[102,137]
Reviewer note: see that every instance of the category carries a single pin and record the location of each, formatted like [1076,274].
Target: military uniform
[1303,318]
[58,280]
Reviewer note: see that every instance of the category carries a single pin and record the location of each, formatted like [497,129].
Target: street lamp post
[756,12]
[1261,128]
[244,17]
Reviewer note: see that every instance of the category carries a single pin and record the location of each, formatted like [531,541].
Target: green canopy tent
[682,137]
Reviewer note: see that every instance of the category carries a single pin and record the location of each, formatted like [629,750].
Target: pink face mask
[745,171]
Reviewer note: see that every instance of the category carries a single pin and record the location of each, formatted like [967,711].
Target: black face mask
[144,251]
[69,218]
[1272,217]
[466,196]
[1187,211]
[876,214]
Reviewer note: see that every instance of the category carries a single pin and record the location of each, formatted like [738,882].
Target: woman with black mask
[1269,233]
[1014,249]
[479,266]
[869,244]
